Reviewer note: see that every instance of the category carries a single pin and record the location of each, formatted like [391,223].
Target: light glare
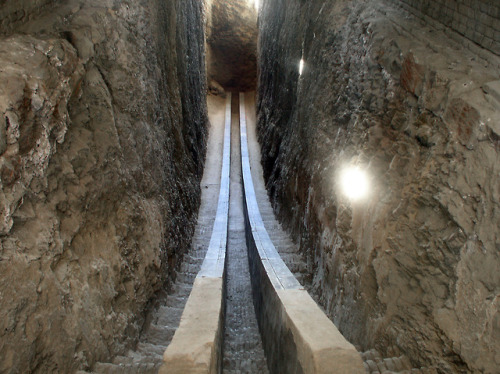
[301,66]
[256,2]
[354,183]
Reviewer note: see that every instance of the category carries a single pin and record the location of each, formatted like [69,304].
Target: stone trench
[366,131]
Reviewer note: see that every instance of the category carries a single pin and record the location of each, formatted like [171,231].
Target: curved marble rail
[297,336]
[196,345]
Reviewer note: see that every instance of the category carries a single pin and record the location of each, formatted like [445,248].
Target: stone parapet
[297,336]
[197,344]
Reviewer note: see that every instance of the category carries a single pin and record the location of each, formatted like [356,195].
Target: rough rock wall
[232,44]
[19,11]
[102,140]
[416,264]
[478,20]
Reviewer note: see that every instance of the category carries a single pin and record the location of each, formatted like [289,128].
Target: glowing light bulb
[301,66]
[354,183]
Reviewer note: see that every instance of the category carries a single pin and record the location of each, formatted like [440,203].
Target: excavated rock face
[19,11]
[232,44]
[102,137]
[415,265]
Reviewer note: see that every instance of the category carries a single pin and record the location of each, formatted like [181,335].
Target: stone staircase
[164,319]
[288,250]
[242,353]
[147,357]
[376,364]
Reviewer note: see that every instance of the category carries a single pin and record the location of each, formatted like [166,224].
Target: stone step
[169,316]
[202,231]
[269,219]
[286,249]
[280,238]
[154,352]
[376,364]
[176,301]
[197,254]
[181,289]
[292,257]
[123,360]
[185,277]
[303,279]
[186,267]
[193,259]
[206,220]
[135,368]
[158,335]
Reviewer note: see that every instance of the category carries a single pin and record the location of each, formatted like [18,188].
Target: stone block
[195,347]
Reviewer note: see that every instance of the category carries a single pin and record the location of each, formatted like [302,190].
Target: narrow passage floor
[243,351]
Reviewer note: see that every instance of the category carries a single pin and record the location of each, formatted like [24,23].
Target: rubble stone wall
[477,20]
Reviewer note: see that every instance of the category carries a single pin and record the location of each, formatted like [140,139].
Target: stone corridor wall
[415,265]
[232,44]
[19,11]
[102,141]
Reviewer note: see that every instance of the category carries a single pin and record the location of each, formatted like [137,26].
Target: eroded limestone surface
[232,44]
[414,268]
[102,136]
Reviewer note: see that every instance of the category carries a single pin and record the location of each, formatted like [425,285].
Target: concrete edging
[297,336]
[197,343]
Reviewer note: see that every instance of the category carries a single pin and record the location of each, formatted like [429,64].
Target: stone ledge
[197,344]
[321,347]
[297,336]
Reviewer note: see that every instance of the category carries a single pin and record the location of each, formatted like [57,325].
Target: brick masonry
[477,20]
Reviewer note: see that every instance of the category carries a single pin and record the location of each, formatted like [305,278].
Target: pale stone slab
[195,346]
[321,348]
